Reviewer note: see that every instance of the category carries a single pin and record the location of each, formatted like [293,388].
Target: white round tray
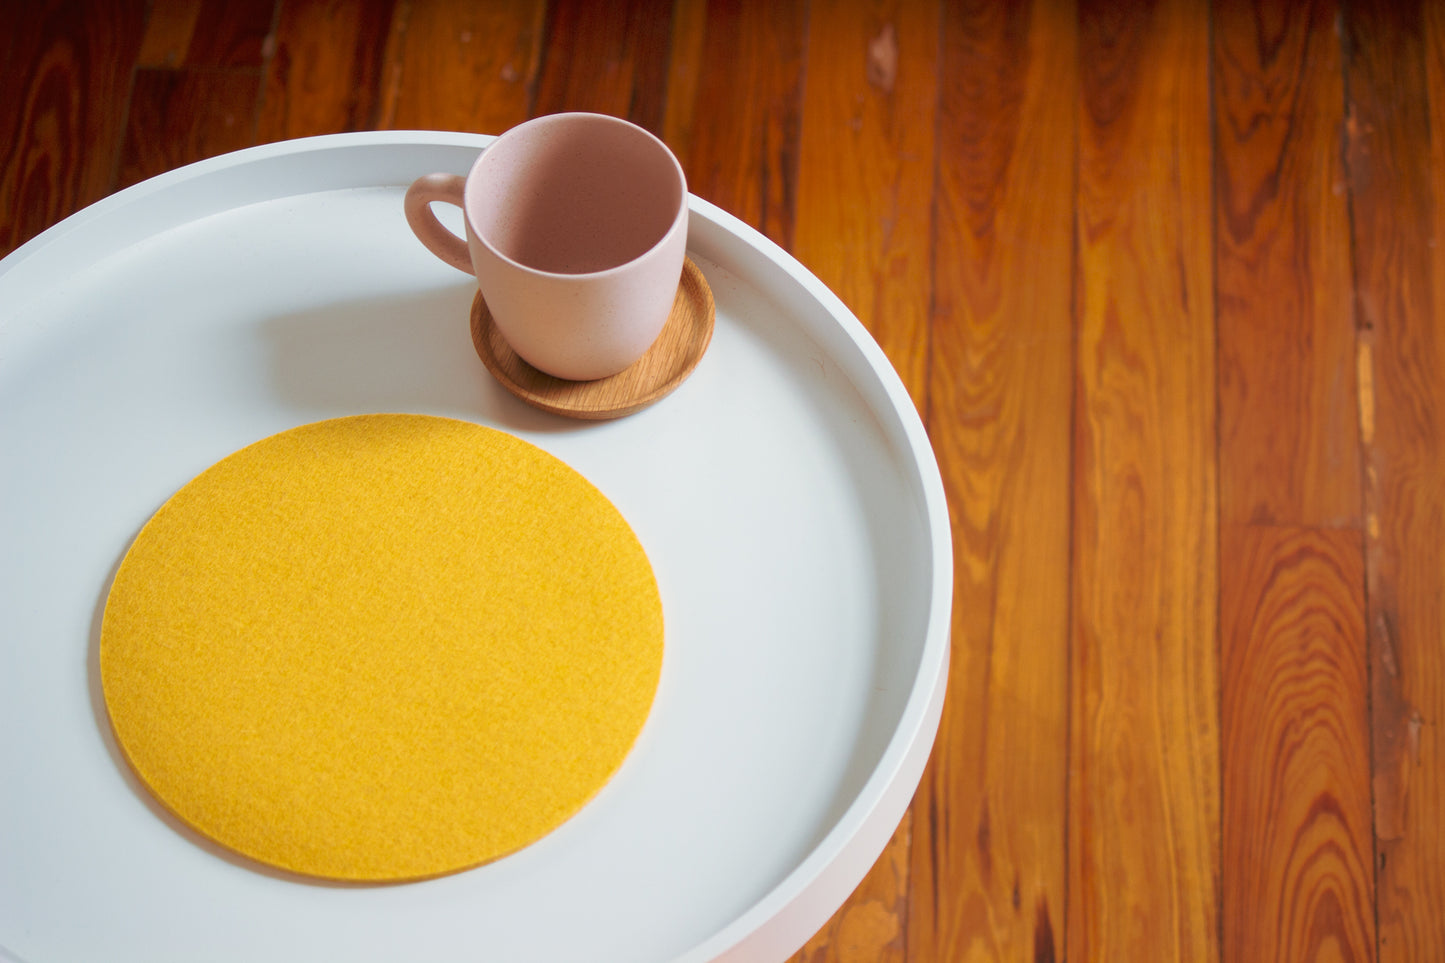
[786,494]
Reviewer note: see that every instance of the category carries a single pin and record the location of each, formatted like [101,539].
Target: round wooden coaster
[666,364]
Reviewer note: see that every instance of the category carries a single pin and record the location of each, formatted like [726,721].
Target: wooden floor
[1166,282]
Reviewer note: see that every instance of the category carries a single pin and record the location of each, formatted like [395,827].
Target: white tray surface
[780,494]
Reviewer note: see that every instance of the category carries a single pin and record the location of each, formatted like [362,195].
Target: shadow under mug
[576,230]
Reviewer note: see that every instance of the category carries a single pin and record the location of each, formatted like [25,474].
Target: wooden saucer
[666,364]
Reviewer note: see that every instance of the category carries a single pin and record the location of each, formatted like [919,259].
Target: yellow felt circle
[383,647]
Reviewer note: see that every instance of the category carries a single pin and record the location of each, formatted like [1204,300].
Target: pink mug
[576,231]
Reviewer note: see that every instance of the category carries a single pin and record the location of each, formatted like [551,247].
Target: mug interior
[575,194]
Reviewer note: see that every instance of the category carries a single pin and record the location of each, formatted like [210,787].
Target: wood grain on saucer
[672,357]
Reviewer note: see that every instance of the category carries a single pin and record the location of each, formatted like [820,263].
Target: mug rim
[679,219]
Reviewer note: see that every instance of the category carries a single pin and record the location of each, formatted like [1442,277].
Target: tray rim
[786,916]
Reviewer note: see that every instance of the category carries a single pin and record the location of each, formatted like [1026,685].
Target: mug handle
[424,224]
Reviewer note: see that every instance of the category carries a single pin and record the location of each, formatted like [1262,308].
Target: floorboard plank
[1288,430]
[210,103]
[1397,195]
[869,98]
[327,73]
[607,59]
[181,116]
[987,879]
[869,102]
[740,143]
[460,65]
[230,33]
[1298,873]
[66,72]
[1144,832]
[169,28]
[1298,851]
[684,73]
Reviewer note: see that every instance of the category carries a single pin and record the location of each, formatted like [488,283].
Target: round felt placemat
[383,647]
